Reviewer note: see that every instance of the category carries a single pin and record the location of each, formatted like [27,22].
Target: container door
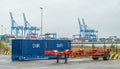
[34,47]
[16,47]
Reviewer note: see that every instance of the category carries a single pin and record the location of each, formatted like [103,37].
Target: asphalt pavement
[79,63]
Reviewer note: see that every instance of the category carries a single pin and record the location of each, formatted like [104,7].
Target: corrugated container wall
[59,45]
[27,49]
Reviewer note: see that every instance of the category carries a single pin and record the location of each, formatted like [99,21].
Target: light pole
[116,48]
[41,20]
[104,45]
[1,29]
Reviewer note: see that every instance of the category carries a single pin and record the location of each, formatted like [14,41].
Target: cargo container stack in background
[28,49]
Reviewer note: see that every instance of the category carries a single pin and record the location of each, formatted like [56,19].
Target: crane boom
[84,25]
[12,20]
[25,21]
[80,26]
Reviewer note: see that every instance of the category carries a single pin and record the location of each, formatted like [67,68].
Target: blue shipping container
[27,49]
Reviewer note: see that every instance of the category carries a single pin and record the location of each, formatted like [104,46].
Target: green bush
[4,46]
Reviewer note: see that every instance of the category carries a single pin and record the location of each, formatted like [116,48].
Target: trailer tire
[106,57]
[95,58]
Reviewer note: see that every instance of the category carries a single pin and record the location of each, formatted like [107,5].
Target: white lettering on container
[35,45]
[60,45]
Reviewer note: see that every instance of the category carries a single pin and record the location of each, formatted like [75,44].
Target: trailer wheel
[106,57]
[95,58]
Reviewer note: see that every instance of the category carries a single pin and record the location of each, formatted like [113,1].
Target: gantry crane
[86,32]
[28,29]
[15,28]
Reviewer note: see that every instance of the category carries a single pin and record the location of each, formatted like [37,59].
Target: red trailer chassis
[96,54]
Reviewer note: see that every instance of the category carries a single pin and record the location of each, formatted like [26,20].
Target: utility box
[29,49]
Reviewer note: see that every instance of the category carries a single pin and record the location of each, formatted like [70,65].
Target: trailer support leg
[57,59]
[65,59]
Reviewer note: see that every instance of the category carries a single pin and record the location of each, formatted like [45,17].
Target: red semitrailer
[96,54]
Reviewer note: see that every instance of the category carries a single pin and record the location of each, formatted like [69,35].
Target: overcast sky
[60,16]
